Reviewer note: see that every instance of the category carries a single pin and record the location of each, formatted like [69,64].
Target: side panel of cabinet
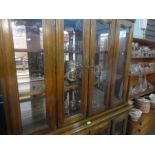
[3,120]
[72,46]
[101,129]
[17,112]
[121,61]
[119,124]
[9,80]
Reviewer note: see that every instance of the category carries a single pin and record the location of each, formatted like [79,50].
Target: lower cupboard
[114,125]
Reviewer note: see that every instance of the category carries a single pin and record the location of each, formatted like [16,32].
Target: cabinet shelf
[136,75]
[142,94]
[34,93]
[144,42]
[139,58]
[76,52]
[28,98]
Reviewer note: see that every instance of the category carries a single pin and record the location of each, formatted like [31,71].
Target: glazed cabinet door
[121,56]
[72,38]
[119,124]
[101,44]
[30,74]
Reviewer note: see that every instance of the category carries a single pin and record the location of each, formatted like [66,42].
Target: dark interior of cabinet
[3,129]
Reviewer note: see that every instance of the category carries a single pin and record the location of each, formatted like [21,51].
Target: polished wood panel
[144,42]
[83,132]
[49,40]
[141,94]
[101,129]
[143,126]
[9,80]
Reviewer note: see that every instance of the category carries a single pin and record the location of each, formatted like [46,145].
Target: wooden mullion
[91,61]
[114,62]
[50,71]
[127,69]
[60,71]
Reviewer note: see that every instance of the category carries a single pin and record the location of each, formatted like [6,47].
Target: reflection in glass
[101,65]
[28,46]
[121,64]
[119,128]
[73,51]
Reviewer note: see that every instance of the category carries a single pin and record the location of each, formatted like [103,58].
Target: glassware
[135,114]
[66,102]
[71,71]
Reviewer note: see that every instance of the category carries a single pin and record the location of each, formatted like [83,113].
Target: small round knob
[89,122]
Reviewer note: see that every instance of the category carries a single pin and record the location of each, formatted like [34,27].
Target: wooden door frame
[128,24]
[91,61]
[9,80]
[60,72]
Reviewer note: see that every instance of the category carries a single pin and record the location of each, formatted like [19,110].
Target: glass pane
[119,128]
[121,64]
[73,52]
[101,65]
[28,47]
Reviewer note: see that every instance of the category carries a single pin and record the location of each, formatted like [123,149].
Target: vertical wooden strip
[91,63]
[9,79]
[86,45]
[50,70]
[110,61]
[127,73]
[60,71]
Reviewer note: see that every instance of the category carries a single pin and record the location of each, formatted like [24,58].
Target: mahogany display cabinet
[65,76]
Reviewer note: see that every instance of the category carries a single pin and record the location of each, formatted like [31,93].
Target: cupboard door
[102,32]
[72,74]
[119,124]
[32,79]
[122,50]
[101,129]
